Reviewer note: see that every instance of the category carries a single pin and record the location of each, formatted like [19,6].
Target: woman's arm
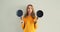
[35,22]
[22,22]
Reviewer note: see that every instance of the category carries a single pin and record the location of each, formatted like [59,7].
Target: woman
[29,19]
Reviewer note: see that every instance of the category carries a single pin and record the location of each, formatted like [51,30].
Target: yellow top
[29,24]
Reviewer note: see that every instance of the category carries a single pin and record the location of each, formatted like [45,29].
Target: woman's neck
[29,15]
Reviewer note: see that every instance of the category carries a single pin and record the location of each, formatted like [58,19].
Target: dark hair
[32,14]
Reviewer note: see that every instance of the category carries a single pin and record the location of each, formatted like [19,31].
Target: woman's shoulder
[23,17]
[36,17]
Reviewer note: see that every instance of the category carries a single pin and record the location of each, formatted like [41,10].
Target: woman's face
[29,9]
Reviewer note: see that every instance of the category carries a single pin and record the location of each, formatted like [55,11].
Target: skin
[29,10]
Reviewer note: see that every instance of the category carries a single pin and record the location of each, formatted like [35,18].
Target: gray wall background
[50,22]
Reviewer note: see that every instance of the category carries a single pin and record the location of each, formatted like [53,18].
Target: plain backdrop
[50,22]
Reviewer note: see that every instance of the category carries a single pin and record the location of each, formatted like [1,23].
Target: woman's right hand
[22,20]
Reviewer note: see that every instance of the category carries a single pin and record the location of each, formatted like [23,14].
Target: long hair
[32,14]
